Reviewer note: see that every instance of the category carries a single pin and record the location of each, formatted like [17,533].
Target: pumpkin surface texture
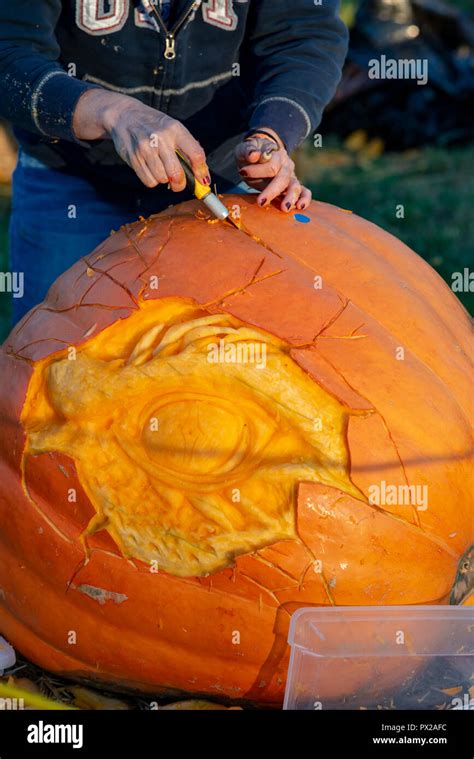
[205,429]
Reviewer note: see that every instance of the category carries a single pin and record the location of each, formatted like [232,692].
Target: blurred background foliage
[435,185]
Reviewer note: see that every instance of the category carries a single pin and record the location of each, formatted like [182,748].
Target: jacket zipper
[170,34]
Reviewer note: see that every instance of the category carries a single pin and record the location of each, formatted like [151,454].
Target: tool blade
[216,207]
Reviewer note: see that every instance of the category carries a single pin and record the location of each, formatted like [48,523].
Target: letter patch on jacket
[220,13]
[101,16]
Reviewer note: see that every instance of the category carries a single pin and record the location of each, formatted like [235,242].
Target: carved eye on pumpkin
[189,434]
[128,408]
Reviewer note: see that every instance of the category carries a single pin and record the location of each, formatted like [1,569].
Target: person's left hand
[264,164]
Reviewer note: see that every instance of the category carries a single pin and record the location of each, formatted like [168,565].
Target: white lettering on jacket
[100,17]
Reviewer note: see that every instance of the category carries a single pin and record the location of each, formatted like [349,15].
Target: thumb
[256,150]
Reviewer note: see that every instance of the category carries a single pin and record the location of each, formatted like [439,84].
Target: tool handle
[202,192]
[198,189]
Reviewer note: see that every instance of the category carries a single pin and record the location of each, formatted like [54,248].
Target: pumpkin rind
[406,422]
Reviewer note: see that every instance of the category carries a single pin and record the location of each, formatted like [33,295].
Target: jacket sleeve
[37,94]
[298,49]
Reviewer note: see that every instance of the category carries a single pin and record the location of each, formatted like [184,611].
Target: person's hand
[265,165]
[144,138]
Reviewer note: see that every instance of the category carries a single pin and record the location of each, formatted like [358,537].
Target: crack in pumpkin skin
[399,563]
[188,463]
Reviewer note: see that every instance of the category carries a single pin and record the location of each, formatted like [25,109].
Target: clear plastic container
[381,657]
[7,655]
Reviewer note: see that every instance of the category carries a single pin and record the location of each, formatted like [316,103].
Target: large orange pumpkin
[204,430]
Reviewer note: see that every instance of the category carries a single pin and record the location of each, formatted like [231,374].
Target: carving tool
[204,193]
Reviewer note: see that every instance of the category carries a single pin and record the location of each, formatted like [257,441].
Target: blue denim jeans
[57,218]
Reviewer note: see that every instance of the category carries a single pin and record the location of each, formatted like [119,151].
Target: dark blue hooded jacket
[219,66]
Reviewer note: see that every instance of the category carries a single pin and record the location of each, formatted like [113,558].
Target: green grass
[435,186]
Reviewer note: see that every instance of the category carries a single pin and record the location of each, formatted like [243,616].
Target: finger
[155,165]
[195,154]
[305,199]
[246,149]
[255,149]
[246,153]
[257,184]
[173,168]
[291,196]
[142,171]
[277,185]
[266,170]
[267,146]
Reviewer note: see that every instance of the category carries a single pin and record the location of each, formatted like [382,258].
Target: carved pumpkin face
[189,433]
[196,422]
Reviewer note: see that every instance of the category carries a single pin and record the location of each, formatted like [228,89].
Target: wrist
[110,110]
[95,114]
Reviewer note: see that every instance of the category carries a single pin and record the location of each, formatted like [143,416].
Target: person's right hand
[144,138]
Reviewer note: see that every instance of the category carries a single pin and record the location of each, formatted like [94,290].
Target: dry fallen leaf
[451,691]
[198,704]
[84,698]
[24,683]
